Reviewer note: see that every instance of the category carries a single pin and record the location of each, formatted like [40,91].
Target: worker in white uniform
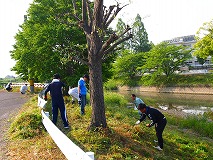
[74,93]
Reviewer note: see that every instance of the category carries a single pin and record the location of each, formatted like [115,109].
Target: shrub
[114,99]
[111,85]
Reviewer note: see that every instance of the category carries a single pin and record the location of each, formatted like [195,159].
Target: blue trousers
[58,104]
[83,104]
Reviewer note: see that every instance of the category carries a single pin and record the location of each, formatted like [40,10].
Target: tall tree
[120,27]
[126,67]
[94,22]
[140,41]
[204,45]
[47,41]
[44,43]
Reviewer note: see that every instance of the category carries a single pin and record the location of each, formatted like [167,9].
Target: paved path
[10,102]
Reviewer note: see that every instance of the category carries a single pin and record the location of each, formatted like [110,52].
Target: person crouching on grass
[158,119]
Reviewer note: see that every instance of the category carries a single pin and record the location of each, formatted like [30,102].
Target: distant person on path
[82,91]
[73,92]
[8,87]
[158,119]
[23,89]
[136,102]
[55,88]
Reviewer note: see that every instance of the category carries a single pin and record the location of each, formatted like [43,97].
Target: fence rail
[39,85]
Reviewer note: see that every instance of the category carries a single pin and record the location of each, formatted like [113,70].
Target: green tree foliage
[44,45]
[120,27]
[139,42]
[126,68]
[204,45]
[50,42]
[166,59]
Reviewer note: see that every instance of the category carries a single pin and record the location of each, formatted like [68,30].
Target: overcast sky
[163,20]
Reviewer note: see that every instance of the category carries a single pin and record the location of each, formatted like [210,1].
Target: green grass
[198,80]
[201,124]
[27,124]
[121,140]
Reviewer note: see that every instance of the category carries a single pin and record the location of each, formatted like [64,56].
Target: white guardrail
[39,85]
[68,148]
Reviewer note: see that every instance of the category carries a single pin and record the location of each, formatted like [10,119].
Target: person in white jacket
[73,92]
[23,89]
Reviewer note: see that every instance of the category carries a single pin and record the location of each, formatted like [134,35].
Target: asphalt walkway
[10,102]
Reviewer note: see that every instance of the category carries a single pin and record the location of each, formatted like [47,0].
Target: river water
[188,103]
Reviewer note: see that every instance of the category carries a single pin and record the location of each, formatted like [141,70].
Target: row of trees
[162,59]
[74,37]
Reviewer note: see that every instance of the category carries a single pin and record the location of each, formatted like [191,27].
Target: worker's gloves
[138,122]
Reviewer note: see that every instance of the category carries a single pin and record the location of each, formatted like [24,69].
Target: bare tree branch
[74,6]
[89,11]
[75,10]
[124,32]
[98,15]
[111,48]
[84,12]
[108,13]
[112,39]
[80,60]
[118,9]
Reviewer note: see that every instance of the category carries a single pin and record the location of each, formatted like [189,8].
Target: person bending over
[157,118]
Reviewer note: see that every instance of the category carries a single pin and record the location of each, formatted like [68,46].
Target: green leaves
[139,42]
[166,59]
[47,41]
[204,45]
[128,66]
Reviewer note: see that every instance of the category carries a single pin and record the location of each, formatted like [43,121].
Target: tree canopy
[126,67]
[50,41]
[166,59]
[44,44]
[204,45]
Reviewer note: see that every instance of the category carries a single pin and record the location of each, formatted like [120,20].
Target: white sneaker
[155,141]
[66,127]
[138,122]
[158,148]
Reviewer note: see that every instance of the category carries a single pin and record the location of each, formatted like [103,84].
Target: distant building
[189,41]
[9,77]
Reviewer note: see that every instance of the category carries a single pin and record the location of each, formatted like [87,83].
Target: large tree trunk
[95,23]
[96,84]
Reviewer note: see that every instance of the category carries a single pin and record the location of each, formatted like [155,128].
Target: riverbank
[182,90]
[121,140]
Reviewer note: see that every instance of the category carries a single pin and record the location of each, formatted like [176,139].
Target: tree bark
[98,118]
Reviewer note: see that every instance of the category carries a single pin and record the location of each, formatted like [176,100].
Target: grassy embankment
[197,80]
[184,138]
